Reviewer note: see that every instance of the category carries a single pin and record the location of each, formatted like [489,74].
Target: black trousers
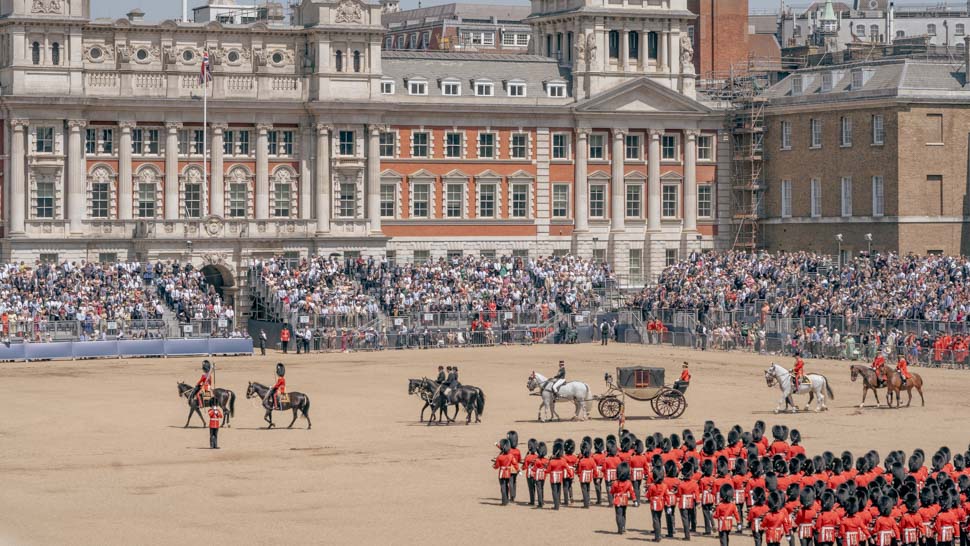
[692,516]
[685,520]
[584,488]
[505,487]
[656,524]
[758,535]
[636,490]
[708,512]
[214,438]
[512,487]
[540,492]
[531,483]
[609,496]
[804,541]
[598,484]
[567,491]
[722,536]
[620,519]
[286,345]
[669,516]
[262,347]
[556,493]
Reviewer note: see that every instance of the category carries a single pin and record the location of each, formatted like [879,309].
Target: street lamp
[838,237]
[869,244]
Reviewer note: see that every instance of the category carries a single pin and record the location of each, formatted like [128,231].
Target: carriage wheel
[610,407]
[669,404]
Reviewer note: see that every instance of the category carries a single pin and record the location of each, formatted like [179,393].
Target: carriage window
[641,378]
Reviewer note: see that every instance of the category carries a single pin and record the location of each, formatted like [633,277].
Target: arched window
[340,61]
[56,53]
[35,52]
[614,44]
[356,61]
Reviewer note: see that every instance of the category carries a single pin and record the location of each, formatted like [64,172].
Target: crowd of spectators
[186,292]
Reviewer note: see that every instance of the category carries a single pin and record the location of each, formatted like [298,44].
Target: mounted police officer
[279,388]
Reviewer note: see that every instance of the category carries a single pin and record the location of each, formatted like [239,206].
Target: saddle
[284,398]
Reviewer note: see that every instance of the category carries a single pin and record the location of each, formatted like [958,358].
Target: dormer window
[484,89]
[517,89]
[387,87]
[417,87]
[858,79]
[556,90]
[451,88]
[796,85]
[826,81]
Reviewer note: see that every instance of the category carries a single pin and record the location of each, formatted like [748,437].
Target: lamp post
[869,245]
[595,240]
[838,238]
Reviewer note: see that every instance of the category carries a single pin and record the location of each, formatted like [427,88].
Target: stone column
[662,51]
[17,193]
[624,48]
[124,171]
[172,171]
[653,179]
[617,190]
[690,180]
[580,182]
[323,182]
[262,170]
[674,53]
[75,175]
[306,171]
[374,178]
[217,168]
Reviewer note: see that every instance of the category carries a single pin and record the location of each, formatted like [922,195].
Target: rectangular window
[388,200]
[786,198]
[633,147]
[229,142]
[560,201]
[597,201]
[420,200]
[45,140]
[90,141]
[786,135]
[670,257]
[106,140]
[508,38]
[273,142]
[705,200]
[51,257]
[935,128]
[451,89]
[422,256]
[846,196]
[668,148]
[878,203]
[636,262]
[198,141]
[845,135]
[520,201]
[346,143]
[597,150]
[486,201]
[560,146]
[816,198]
[100,200]
[281,200]
[483,89]
[634,200]
[557,90]
[107,258]
[486,145]
[417,88]
[516,89]
[387,144]
[670,201]
[193,201]
[419,144]
[242,146]
[146,200]
[453,145]
[816,133]
[387,87]
[858,79]
[878,130]
[286,143]
[347,200]
[796,85]
[519,146]
[454,200]
[705,148]
[238,197]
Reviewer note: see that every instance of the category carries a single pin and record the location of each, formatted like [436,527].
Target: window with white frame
[419,144]
[931,29]
[846,196]
[191,140]
[417,87]
[786,198]
[388,200]
[670,257]
[633,147]
[519,146]
[845,133]
[238,199]
[421,200]
[508,38]
[860,30]
[387,87]
[826,81]
[346,143]
[453,145]
[557,90]
[100,199]
[45,196]
[815,128]
[478,38]
[44,140]
[520,200]
[347,199]
[560,200]
[597,201]
[796,85]
[878,200]
[425,39]
[668,147]
[400,42]
[858,79]
[193,200]
[388,143]
[670,201]
[636,262]
[959,29]
[454,200]
[486,200]
[560,145]
[451,88]
[786,135]
[484,89]
[597,148]
[146,197]
[90,141]
[705,148]
[634,200]
[486,145]
[228,141]
[878,130]
[705,200]
[815,198]
[280,143]
[517,89]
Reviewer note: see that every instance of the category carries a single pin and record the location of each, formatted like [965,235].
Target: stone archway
[219,277]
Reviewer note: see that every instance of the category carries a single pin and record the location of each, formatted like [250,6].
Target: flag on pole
[206,75]
[619,430]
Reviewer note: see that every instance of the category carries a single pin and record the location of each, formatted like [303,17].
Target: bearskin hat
[719,441]
[687,470]
[726,493]
[707,467]
[569,446]
[911,501]
[625,444]
[828,500]
[775,501]
[658,475]
[532,444]
[807,497]
[599,445]
[513,437]
[690,443]
[959,462]
[665,445]
[709,448]
[611,449]
[723,468]
[938,462]
[756,435]
[779,465]
[675,441]
[851,506]
[557,449]
[503,445]
[623,471]
[754,466]
[794,466]
[733,437]
[758,496]
[670,468]
[791,494]
[779,432]
[847,459]
[280,369]
[542,451]
[771,481]
[585,448]
[708,425]
[206,366]
[649,444]
[795,436]
[740,466]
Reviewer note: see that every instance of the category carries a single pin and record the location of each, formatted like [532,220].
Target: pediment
[455,174]
[599,175]
[635,175]
[488,173]
[423,173]
[391,173]
[521,174]
[671,176]
[642,96]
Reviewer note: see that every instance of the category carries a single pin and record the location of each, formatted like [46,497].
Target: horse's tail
[232,404]
[828,389]
[480,401]
[305,408]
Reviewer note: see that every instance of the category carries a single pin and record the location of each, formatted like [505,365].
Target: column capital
[375,130]
[323,129]
[619,134]
[692,134]
[19,123]
[655,133]
[264,128]
[582,133]
[127,125]
[77,124]
[173,126]
[219,126]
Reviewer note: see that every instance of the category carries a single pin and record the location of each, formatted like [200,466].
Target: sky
[157,10]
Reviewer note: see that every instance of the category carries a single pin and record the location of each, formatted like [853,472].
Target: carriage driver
[559,379]
[280,386]
[798,372]
[205,382]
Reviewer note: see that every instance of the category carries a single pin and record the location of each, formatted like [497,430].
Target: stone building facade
[319,142]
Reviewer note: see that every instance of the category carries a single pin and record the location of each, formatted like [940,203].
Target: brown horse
[869,381]
[894,386]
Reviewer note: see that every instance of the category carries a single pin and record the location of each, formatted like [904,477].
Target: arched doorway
[219,278]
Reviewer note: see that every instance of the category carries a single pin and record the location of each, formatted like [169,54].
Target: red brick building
[720,34]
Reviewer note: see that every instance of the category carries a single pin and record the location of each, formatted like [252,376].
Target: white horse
[576,391]
[817,386]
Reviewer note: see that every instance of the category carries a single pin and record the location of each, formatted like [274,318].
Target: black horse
[224,398]
[425,389]
[299,403]
[471,398]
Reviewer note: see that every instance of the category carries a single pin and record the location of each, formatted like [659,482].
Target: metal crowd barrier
[71,350]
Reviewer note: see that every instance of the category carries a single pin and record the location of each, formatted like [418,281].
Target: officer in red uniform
[829,520]
[657,496]
[540,473]
[215,421]
[204,383]
[513,438]
[621,491]
[756,513]
[585,469]
[726,514]
[506,465]
[779,446]
[279,388]
[569,446]
[776,523]
[903,368]
[529,464]
[684,380]
[877,365]
[798,371]
[688,493]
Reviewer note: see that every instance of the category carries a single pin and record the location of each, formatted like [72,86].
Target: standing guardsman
[279,388]
[513,438]
[506,466]
[621,491]
[586,469]
[215,421]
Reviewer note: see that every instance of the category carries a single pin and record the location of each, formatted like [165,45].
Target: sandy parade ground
[93,452]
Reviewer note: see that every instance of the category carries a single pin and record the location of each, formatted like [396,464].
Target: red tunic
[853,530]
[685,375]
[638,465]
[529,464]
[539,467]
[672,485]
[280,385]
[586,469]
[903,368]
[827,526]
[622,491]
[726,515]
[878,362]
[688,493]
[885,530]
[556,469]
[755,516]
[205,382]
[571,461]
[657,495]
[947,526]
[776,525]
[506,466]
[778,447]
[215,417]
[609,467]
[911,527]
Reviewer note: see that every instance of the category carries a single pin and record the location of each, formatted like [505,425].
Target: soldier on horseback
[204,384]
[559,379]
[877,366]
[903,368]
[441,374]
[279,389]
[798,372]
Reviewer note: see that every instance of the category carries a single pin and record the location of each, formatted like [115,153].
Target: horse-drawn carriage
[642,384]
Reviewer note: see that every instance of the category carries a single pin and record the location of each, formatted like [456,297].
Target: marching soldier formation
[745,484]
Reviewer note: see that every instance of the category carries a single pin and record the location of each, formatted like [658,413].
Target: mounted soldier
[278,393]
[204,384]
[798,372]
[559,379]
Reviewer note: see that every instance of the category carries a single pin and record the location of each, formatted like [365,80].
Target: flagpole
[205,135]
